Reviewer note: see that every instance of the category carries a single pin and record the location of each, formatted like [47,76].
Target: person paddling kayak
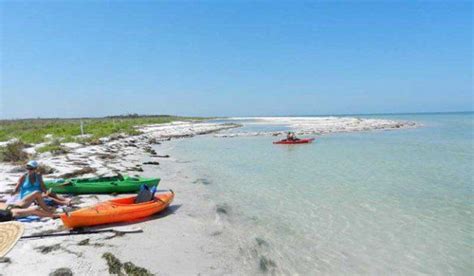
[291,139]
[291,136]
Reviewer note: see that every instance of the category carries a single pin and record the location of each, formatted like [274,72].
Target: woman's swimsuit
[27,187]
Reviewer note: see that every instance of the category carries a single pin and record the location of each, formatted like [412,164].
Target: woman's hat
[10,233]
[32,164]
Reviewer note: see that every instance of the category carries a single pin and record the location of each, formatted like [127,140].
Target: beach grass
[54,147]
[35,130]
[13,152]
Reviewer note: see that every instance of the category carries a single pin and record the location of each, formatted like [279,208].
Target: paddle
[124,230]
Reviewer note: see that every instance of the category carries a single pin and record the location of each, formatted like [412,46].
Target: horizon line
[124,116]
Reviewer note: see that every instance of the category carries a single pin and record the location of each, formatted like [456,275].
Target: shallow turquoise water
[374,202]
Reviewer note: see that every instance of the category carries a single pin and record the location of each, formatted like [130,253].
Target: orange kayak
[116,210]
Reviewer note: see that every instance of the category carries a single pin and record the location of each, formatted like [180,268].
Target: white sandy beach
[236,138]
[316,125]
[189,238]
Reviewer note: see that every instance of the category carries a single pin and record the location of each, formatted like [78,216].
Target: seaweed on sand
[137,168]
[266,264]
[63,271]
[87,242]
[5,260]
[46,249]
[114,264]
[128,268]
[150,150]
[105,156]
[50,231]
[84,242]
[153,141]
[134,270]
[85,170]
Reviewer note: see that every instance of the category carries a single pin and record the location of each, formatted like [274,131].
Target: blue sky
[234,58]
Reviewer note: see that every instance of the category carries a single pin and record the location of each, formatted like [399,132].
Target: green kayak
[100,185]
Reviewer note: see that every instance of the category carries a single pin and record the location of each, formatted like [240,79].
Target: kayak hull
[289,142]
[103,185]
[117,210]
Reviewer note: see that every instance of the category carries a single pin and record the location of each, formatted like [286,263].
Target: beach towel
[12,199]
[28,219]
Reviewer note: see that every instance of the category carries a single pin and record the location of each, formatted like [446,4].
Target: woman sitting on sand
[32,181]
[19,209]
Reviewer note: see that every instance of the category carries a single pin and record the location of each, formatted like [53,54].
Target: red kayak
[298,141]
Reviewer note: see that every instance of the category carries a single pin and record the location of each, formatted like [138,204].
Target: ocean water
[398,202]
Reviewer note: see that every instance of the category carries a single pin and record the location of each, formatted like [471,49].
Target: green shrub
[34,130]
[13,152]
[54,147]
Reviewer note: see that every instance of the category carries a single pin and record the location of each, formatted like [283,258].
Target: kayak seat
[120,176]
[144,195]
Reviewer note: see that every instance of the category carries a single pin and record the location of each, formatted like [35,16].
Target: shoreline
[188,238]
[177,241]
[162,232]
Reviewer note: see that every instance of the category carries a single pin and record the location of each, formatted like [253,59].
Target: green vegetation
[54,147]
[34,130]
[13,152]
